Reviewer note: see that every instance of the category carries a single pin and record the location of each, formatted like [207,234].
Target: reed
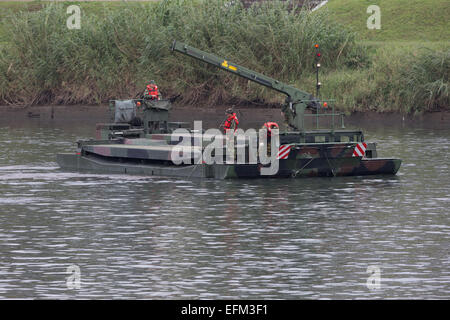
[116,51]
[426,81]
[121,46]
[397,80]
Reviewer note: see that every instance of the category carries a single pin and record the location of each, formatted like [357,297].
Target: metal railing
[317,115]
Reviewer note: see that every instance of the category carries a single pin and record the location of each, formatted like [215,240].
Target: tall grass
[116,52]
[119,48]
[398,79]
[427,81]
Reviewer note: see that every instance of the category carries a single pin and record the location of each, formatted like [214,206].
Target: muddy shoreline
[250,117]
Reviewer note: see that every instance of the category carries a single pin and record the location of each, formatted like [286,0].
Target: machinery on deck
[140,140]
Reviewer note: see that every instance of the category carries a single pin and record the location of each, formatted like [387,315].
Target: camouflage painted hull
[289,168]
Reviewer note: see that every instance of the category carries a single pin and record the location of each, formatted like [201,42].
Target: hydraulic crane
[296,101]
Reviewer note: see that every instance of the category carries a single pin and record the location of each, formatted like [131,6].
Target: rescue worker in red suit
[152,91]
[232,122]
[269,126]
[230,126]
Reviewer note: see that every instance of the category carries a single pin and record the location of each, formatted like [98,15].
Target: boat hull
[290,168]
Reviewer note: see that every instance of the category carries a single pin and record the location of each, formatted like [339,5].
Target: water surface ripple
[164,238]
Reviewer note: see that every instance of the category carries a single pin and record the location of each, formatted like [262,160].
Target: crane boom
[296,101]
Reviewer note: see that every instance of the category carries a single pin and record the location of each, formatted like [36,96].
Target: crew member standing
[230,126]
[269,126]
[232,122]
[152,91]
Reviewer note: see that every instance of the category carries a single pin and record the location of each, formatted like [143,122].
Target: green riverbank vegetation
[121,46]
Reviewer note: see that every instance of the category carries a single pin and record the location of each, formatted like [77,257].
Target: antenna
[317,66]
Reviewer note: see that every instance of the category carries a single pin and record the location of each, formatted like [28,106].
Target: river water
[169,238]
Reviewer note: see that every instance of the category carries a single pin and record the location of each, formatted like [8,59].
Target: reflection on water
[161,238]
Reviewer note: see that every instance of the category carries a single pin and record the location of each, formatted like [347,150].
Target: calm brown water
[160,238]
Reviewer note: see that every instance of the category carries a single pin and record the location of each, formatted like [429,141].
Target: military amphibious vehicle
[141,140]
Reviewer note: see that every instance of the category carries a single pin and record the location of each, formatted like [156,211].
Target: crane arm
[236,69]
[296,100]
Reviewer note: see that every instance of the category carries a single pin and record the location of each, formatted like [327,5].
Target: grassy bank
[401,20]
[116,51]
[408,63]
[120,46]
[406,78]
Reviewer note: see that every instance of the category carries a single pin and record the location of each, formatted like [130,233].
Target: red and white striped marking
[283,151]
[360,149]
